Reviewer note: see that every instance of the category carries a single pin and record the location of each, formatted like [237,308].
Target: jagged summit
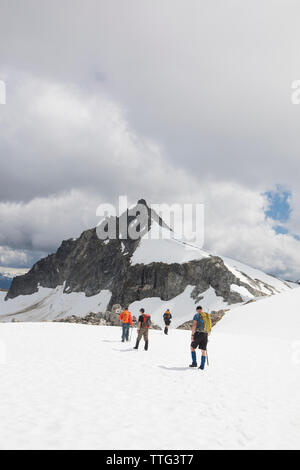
[132,224]
[133,271]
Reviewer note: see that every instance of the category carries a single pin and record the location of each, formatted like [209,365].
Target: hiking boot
[136,344]
[203,361]
[146,345]
[193,364]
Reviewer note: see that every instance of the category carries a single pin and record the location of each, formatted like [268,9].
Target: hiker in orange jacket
[126,320]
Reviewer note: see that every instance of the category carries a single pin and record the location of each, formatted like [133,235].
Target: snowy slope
[52,304]
[49,304]
[170,250]
[175,251]
[277,316]
[167,249]
[267,284]
[182,307]
[77,387]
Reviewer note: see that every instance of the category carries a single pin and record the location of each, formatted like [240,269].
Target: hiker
[144,323]
[200,330]
[126,320]
[167,319]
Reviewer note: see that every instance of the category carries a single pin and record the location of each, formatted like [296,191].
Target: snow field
[67,386]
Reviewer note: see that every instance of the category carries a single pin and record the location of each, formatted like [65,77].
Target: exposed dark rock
[90,265]
[84,265]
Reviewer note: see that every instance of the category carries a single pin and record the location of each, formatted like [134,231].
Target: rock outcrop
[89,264]
[109,318]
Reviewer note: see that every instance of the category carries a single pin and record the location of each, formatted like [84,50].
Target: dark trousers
[125,331]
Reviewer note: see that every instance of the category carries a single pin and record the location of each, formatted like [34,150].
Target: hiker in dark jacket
[144,323]
[167,319]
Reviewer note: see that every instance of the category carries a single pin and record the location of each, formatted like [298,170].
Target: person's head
[126,308]
[199,309]
[142,311]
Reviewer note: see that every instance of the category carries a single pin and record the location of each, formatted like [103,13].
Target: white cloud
[235,225]
[56,137]
[42,223]
[9,257]
[167,102]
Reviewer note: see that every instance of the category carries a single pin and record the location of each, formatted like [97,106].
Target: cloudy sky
[174,101]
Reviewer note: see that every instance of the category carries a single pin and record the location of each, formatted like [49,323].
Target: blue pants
[125,331]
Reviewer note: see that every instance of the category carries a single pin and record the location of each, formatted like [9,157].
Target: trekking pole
[207,347]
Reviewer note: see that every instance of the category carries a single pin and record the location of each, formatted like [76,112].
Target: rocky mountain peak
[91,265]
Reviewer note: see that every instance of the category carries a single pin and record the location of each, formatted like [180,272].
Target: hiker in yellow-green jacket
[200,330]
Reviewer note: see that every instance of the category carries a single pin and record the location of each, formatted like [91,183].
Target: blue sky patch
[280,229]
[279,208]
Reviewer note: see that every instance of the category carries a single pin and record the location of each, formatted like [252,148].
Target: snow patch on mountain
[52,304]
[128,269]
[256,278]
[167,249]
[182,307]
[244,293]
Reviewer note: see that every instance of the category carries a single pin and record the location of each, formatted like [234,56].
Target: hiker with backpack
[167,319]
[144,323]
[200,330]
[126,320]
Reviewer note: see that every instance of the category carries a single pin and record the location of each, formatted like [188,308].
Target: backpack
[203,322]
[206,322]
[125,316]
[147,321]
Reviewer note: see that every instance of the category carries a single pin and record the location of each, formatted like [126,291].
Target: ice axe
[207,347]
